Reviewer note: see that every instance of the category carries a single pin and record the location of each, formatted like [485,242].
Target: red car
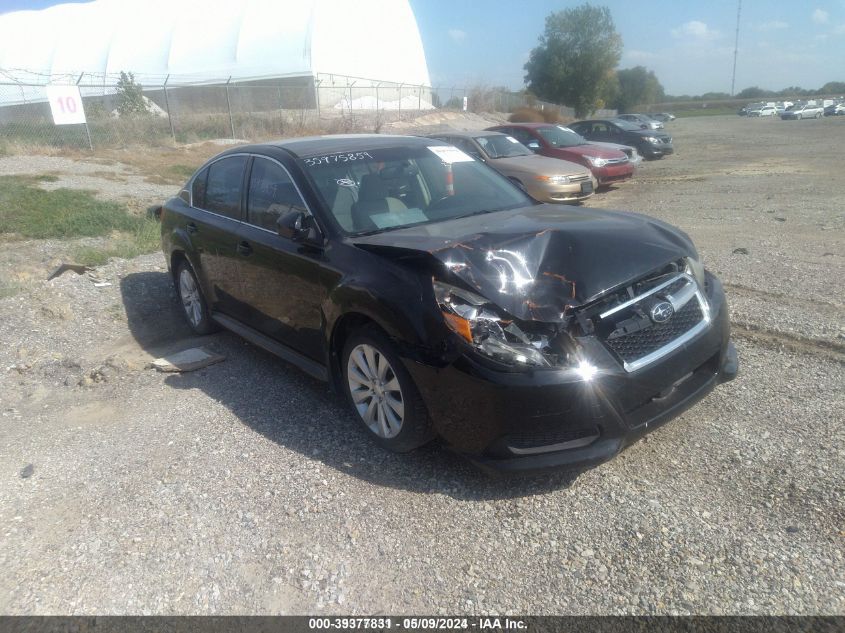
[608,165]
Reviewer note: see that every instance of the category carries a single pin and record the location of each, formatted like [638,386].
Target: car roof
[336,143]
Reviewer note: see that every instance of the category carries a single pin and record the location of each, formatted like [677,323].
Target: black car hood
[536,262]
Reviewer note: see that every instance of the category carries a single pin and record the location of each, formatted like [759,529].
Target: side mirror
[534,146]
[295,226]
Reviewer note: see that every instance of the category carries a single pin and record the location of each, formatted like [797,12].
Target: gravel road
[246,487]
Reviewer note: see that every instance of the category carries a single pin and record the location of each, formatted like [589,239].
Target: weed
[144,238]
[29,211]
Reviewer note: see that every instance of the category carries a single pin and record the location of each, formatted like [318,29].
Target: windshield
[558,136]
[626,125]
[501,146]
[390,188]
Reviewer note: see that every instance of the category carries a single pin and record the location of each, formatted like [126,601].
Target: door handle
[192,228]
[244,248]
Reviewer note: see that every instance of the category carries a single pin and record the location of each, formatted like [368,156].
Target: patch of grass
[46,177]
[144,238]
[176,174]
[29,211]
[9,288]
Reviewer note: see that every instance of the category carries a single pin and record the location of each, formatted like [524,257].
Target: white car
[764,111]
[803,112]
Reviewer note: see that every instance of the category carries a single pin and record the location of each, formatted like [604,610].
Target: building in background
[365,54]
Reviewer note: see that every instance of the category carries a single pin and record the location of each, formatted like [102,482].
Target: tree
[752,93]
[637,86]
[578,50]
[130,96]
[833,87]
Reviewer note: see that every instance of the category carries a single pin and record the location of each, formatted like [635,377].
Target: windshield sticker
[335,159]
[345,182]
[399,218]
[512,139]
[450,155]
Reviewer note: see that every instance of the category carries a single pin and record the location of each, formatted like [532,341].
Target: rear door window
[223,192]
[272,194]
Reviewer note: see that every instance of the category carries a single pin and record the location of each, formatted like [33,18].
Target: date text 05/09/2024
[417,623]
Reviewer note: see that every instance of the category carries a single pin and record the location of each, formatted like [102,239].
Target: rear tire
[194,305]
[382,393]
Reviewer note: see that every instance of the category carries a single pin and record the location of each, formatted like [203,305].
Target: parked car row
[554,163]
[440,300]
[787,110]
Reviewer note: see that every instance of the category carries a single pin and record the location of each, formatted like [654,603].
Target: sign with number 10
[66,105]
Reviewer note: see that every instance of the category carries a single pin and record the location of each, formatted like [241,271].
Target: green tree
[833,87]
[752,93]
[130,96]
[577,52]
[637,86]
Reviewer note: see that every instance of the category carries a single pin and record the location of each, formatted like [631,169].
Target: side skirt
[284,352]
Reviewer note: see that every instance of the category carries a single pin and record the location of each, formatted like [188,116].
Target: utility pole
[736,45]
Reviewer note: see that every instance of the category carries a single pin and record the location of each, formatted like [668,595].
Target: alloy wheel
[190,295]
[375,391]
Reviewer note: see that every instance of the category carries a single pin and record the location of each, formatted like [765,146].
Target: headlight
[695,269]
[596,161]
[481,324]
[652,139]
[554,180]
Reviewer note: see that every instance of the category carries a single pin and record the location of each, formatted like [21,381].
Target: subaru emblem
[662,312]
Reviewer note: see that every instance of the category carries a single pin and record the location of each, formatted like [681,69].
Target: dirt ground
[246,487]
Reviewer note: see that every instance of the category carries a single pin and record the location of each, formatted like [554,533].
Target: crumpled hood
[535,262]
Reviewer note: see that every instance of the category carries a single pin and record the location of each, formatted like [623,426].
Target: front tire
[382,394]
[194,306]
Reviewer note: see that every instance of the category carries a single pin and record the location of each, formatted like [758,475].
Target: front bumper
[571,192]
[613,173]
[657,150]
[522,422]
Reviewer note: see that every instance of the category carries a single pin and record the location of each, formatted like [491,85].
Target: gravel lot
[247,488]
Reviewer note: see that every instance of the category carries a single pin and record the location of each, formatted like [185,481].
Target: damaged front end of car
[569,344]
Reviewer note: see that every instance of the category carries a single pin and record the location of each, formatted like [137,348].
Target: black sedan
[650,143]
[440,300]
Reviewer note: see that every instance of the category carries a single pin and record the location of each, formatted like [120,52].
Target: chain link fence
[179,112]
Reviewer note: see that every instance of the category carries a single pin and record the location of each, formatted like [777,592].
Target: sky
[688,44]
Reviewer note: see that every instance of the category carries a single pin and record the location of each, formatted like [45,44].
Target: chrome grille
[579,178]
[637,339]
[616,161]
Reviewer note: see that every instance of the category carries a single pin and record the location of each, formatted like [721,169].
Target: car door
[283,282]
[213,225]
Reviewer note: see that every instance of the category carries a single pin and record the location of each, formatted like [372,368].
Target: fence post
[350,95]
[419,101]
[87,129]
[229,107]
[400,101]
[317,83]
[167,105]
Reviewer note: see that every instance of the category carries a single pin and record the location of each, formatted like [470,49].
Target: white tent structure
[212,41]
